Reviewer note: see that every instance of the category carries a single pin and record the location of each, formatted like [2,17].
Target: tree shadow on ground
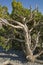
[13,55]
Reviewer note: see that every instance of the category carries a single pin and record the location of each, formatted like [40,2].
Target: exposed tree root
[39,61]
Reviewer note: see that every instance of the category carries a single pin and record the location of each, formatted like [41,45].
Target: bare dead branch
[7,23]
[19,23]
[29,20]
[35,25]
[39,61]
[37,40]
[37,55]
[19,40]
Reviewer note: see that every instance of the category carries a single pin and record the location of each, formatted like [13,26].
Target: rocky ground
[15,57]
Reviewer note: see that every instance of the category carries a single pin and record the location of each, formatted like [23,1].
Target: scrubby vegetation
[22,29]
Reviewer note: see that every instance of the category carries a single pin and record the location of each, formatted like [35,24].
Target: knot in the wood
[31,58]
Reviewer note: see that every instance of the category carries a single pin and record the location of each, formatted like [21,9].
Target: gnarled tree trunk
[28,50]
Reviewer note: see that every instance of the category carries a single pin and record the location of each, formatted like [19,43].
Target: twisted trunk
[28,51]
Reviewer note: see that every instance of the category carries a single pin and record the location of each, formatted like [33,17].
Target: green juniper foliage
[8,32]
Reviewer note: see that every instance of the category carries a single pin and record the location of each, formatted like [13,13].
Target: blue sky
[26,3]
